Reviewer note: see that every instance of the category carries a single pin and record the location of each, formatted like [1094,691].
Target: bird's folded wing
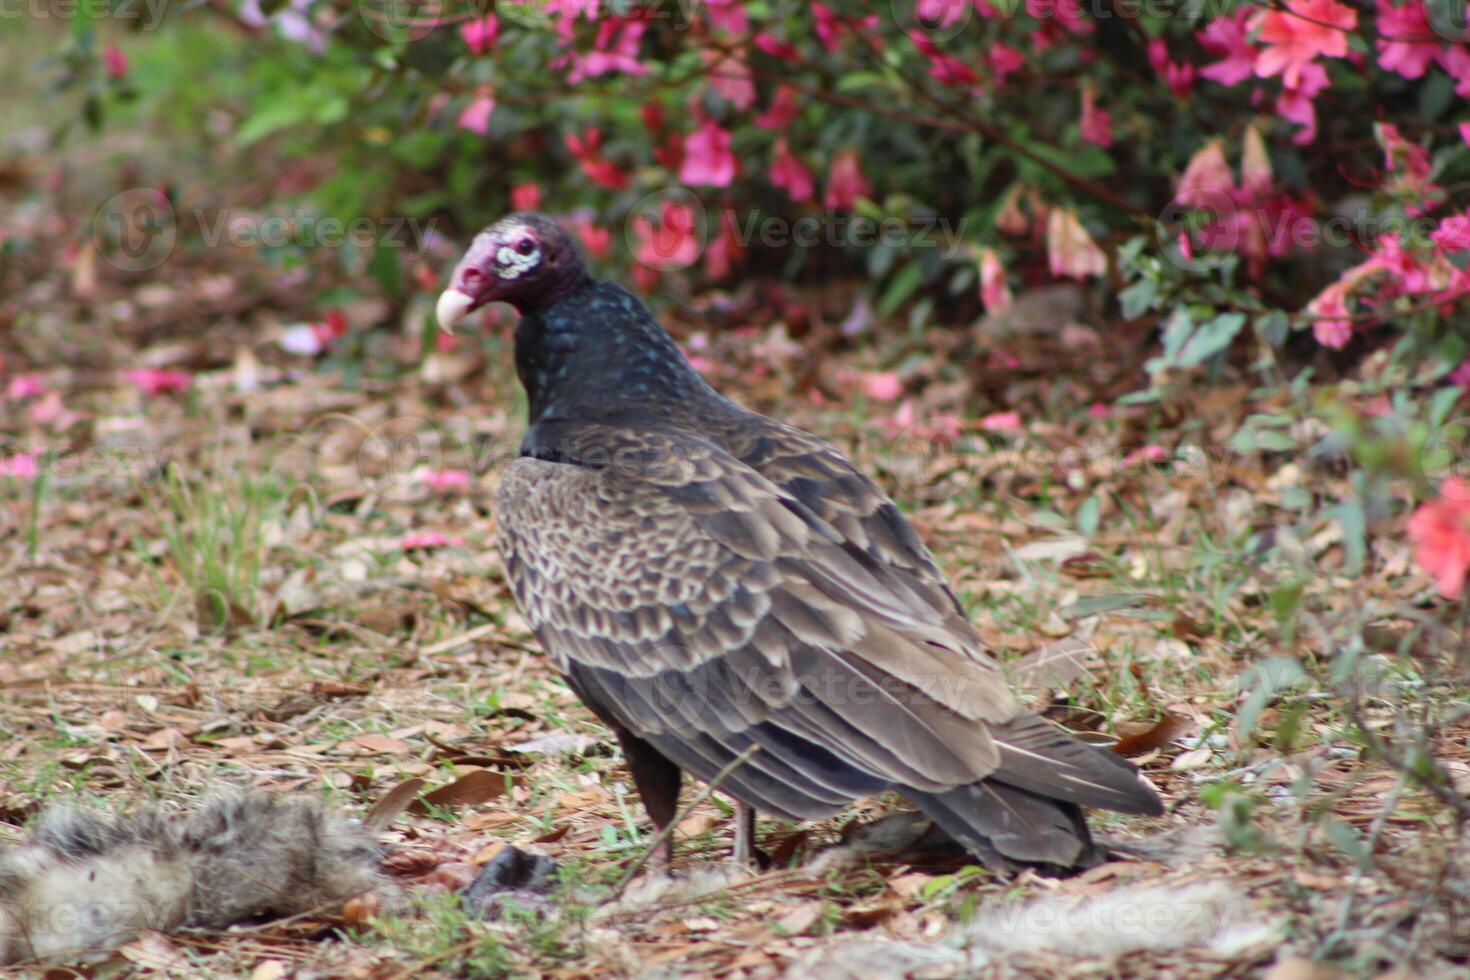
[701,602]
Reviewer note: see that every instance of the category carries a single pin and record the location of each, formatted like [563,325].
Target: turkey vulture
[715,584]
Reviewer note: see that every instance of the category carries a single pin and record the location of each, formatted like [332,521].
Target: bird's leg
[745,850]
[658,781]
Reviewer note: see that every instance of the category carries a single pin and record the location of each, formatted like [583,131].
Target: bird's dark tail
[1029,811]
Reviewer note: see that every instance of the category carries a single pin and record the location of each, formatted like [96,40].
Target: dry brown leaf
[395,802]
[471,789]
[378,744]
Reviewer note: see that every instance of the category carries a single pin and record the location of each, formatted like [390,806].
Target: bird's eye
[525,246]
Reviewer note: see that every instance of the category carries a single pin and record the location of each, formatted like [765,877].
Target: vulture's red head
[524,259]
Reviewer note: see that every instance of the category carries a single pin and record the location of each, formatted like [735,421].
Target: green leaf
[1087,515]
[1138,298]
[386,270]
[902,286]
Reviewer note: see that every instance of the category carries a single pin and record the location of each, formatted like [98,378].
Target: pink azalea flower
[939,13]
[587,151]
[790,174]
[114,62]
[154,382]
[1179,77]
[881,386]
[730,78]
[1097,125]
[1098,410]
[25,386]
[1408,162]
[1225,37]
[1455,60]
[1440,533]
[1070,250]
[596,240]
[707,157]
[1409,58]
[723,247]
[827,26]
[777,48]
[1255,166]
[1464,129]
[1334,329]
[702,364]
[674,244]
[1295,101]
[906,422]
[1453,233]
[525,197]
[1002,422]
[49,410]
[1010,219]
[1460,376]
[995,293]
[614,50]
[446,479]
[1003,60]
[476,115]
[782,111]
[944,69]
[1151,453]
[845,181]
[728,16]
[1207,183]
[1319,27]
[420,540]
[21,466]
[479,35]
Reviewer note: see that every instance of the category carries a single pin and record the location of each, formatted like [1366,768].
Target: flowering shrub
[1046,132]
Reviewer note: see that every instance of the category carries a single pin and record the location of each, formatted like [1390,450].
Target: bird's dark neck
[598,353]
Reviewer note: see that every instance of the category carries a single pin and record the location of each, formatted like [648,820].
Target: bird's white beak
[451,308]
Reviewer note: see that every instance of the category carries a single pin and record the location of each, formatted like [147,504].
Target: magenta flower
[1333,329]
[154,382]
[1440,533]
[790,174]
[782,111]
[1225,37]
[479,35]
[1409,58]
[525,197]
[476,115]
[1453,233]
[25,386]
[845,181]
[995,293]
[1097,125]
[708,160]
[1294,38]
[21,466]
[114,62]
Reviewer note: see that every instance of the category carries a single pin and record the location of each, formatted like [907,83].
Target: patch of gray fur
[88,882]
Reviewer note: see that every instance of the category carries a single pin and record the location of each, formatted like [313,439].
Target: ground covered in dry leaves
[278,570]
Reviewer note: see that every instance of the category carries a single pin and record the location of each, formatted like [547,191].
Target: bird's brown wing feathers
[706,609]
